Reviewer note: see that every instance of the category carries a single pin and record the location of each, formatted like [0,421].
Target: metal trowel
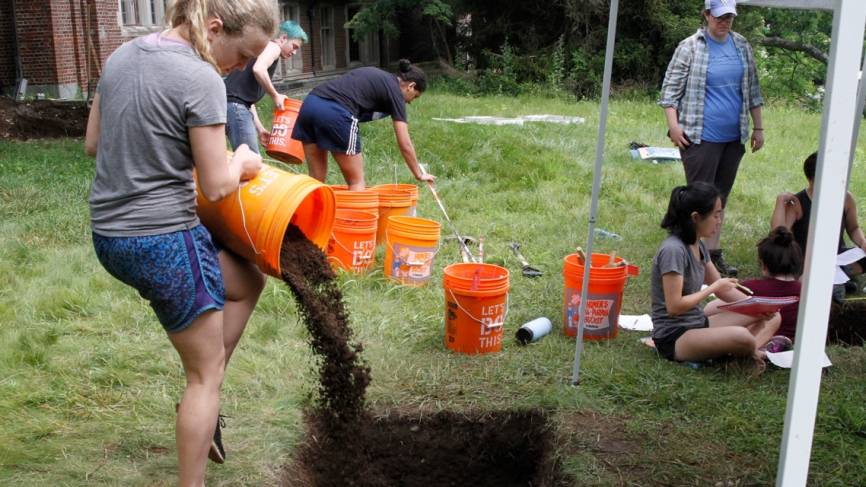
[528,270]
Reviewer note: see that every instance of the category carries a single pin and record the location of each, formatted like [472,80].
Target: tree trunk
[444,36]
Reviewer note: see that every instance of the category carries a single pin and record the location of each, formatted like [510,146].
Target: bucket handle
[495,325]
[367,256]
[244,219]
[394,251]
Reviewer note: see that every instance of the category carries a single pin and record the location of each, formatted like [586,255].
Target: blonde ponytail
[191,18]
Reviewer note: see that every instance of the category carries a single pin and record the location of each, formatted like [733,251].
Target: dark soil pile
[848,323]
[41,119]
[503,449]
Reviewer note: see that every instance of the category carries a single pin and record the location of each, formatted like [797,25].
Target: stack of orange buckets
[352,245]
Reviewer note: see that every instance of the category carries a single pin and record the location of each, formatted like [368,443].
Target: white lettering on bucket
[279,130]
[497,309]
[264,179]
[489,342]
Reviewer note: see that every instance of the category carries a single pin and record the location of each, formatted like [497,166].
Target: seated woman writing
[682,329]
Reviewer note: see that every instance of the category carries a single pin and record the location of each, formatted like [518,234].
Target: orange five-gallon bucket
[410,246]
[253,220]
[391,203]
[367,200]
[605,296]
[411,188]
[353,240]
[281,145]
[476,302]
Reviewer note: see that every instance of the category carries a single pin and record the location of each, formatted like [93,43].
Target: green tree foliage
[788,73]
[382,14]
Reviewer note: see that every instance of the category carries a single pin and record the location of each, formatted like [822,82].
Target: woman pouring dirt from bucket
[159,112]
[329,118]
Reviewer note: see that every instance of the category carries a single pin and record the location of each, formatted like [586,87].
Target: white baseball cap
[721,7]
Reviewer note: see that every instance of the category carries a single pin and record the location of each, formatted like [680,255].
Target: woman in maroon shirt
[782,263]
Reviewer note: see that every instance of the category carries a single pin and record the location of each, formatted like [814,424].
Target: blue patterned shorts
[179,273]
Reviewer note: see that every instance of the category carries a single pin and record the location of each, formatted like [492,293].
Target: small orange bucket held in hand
[281,145]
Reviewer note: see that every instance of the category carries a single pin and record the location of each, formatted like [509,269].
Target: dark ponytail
[696,197]
[780,253]
[413,74]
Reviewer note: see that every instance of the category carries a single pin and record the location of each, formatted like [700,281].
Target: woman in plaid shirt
[710,89]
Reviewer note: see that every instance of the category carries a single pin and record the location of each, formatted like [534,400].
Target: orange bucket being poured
[281,145]
[252,221]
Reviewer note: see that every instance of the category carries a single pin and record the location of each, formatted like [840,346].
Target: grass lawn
[88,380]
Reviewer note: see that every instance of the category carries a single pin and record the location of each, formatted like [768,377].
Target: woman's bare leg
[352,167]
[202,353]
[244,284]
[317,161]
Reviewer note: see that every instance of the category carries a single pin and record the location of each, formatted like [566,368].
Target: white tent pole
[858,116]
[596,185]
[836,132]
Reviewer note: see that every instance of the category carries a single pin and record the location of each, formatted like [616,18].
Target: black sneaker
[217,453]
[723,267]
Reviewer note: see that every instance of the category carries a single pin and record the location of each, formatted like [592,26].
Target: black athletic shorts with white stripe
[327,124]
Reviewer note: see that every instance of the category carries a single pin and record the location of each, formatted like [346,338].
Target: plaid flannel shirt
[685,84]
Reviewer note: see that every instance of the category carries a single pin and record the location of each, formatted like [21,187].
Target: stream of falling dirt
[343,376]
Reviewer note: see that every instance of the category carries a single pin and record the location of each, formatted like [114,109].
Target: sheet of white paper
[785,360]
[636,323]
[840,277]
[850,256]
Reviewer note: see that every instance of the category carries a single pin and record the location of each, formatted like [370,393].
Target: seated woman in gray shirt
[682,329]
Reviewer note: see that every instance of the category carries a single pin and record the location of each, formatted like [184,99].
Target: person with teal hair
[245,87]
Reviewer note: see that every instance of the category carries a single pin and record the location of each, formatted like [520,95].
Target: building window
[364,52]
[329,57]
[129,12]
[295,64]
[141,16]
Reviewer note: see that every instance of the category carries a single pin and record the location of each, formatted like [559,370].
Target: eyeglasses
[727,18]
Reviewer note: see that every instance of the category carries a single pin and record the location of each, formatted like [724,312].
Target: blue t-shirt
[724,96]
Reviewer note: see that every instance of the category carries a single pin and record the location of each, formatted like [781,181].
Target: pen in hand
[744,288]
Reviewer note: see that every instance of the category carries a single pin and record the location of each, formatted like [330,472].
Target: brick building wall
[7,48]
[54,49]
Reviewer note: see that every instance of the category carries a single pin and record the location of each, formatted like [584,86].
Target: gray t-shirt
[149,95]
[674,255]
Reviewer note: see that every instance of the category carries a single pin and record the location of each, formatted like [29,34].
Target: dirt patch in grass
[447,449]
[848,322]
[41,119]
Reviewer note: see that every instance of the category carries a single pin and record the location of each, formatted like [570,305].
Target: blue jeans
[240,127]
